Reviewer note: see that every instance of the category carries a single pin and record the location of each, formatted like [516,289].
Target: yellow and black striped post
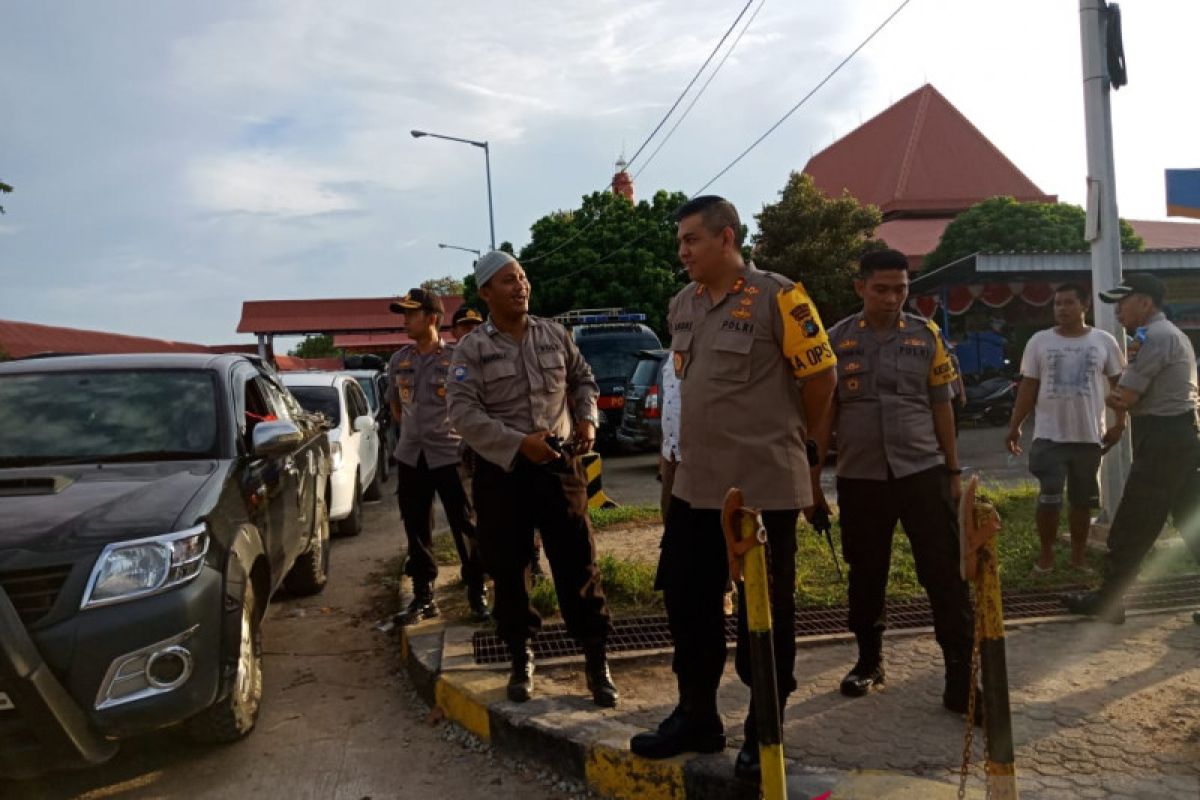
[593,471]
[745,537]
[978,526]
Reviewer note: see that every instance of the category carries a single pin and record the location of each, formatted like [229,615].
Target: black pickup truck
[150,505]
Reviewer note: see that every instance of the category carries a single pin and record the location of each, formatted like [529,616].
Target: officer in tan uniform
[897,460]
[524,401]
[428,456]
[753,364]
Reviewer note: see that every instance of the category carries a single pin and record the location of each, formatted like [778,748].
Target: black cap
[466,314]
[1138,283]
[418,299]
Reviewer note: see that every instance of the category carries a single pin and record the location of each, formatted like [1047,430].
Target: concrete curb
[595,750]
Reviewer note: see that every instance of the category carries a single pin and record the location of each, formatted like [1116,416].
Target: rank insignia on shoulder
[847,344]
[752,290]
[801,312]
[741,313]
[738,285]
[699,290]
[460,373]
[811,328]
[747,301]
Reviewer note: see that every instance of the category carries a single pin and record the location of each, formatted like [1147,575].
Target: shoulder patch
[459,373]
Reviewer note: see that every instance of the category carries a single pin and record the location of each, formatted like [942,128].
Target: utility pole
[1097,22]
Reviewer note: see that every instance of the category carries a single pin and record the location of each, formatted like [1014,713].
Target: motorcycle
[989,401]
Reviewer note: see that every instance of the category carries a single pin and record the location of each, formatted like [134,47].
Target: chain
[969,735]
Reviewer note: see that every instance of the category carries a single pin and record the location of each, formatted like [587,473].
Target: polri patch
[460,373]
[811,328]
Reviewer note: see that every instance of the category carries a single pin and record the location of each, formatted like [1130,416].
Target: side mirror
[271,439]
[364,423]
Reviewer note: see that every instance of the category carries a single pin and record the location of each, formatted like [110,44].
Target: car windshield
[321,400]
[118,415]
[368,387]
[614,357]
[646,373]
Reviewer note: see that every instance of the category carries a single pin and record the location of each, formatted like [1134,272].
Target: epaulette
[783,281]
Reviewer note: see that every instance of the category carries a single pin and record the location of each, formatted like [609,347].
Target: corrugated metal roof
[982,267]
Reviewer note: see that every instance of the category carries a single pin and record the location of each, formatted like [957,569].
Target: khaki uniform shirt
[886,389]
[737,361]
[502,390]
[1163,371]
[418,384]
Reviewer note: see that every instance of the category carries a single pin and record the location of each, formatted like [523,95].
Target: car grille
[33,591]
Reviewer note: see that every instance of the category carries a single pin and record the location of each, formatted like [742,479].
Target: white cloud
[265,184]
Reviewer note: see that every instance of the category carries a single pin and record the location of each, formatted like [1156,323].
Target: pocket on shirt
[731,358]
[554,368]
[912,376]
[499,381]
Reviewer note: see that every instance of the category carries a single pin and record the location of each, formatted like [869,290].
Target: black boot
[477,601]
[1104,606]
[1196,617]
[520,681]
[691,727]
[747,765]
[955,696]
[599,679]
[868,670]
[421,607]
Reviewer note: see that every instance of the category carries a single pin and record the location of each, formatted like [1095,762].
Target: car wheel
[374,489]
[311,570]
[352,525]
[233,717]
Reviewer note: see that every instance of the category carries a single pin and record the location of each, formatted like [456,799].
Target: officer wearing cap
[465,320]
[524,401]
[753,364]
[428,455]
[897,461]
[1158,390]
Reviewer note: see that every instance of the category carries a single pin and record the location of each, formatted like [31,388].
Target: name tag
[6,703]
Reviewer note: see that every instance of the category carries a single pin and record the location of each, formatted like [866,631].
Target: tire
[352,525]
[234,716]
[374,489]
[310,573]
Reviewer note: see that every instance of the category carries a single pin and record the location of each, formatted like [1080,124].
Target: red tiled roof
[20,339]
[1167,235]
[342,316]
[920,156]
[916,238]
[297,364]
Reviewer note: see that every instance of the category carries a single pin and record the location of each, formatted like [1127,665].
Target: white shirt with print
[1074,373]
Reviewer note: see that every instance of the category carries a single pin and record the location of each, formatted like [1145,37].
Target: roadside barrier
[592,469]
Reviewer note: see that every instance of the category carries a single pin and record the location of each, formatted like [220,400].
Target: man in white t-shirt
[1066,372]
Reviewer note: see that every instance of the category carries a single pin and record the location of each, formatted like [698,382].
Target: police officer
[1159,391]
[464,320]
[524,401]
[740,339]
[428,457]
[897,460]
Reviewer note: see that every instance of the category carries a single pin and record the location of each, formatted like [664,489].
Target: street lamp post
[464,249]
[487,161]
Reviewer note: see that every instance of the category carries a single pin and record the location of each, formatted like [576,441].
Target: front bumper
[53,676]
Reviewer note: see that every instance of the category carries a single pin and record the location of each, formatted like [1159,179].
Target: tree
[817,240]
[1002,225]
[318,346]
[4,189]
[608,253]
[444,286]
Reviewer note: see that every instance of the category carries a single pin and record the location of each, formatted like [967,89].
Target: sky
[172,160]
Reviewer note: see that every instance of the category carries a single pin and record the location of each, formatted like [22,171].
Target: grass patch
[622,515]
[628,586]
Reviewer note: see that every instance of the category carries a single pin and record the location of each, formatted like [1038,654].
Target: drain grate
[631,634]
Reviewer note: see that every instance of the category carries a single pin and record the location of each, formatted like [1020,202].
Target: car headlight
[127,570]
[335,456]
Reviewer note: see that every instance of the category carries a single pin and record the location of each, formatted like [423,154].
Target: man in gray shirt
[1159,391]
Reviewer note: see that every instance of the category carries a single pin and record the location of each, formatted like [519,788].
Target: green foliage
[608,517]
[4,189]
[1002,225]
[628,587]
[319,346]
[635,248]
[445,286]
[817,240]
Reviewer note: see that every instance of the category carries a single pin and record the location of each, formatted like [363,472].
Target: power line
[657,128]
[804,99]
[700,93]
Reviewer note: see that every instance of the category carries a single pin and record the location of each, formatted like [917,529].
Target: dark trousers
[553,499]
[1164,479]
[922,504]
[693,571]
[415,489]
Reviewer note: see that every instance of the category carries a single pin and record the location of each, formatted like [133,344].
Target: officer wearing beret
[428,457]
[1158,390]
[524,401]
[754,369]
[897,461]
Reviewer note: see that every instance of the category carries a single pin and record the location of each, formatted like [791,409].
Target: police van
[610,340]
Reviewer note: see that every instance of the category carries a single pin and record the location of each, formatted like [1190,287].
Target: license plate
[6,704]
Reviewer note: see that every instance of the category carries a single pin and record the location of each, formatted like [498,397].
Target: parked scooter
[989,401]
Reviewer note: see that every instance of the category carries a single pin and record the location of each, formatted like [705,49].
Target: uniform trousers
[553,499]
[693,571]
[869,511]
[415,489]
[1164,479]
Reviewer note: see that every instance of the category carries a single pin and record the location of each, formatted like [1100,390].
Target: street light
[487,160]
[464,249]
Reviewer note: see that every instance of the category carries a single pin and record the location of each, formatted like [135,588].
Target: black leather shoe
[1096,604]
[746,766]
[955,698]
[677,734]
[476,600]
[1196,617]
[859,680]
[520,681]
[599,679]
[422,607]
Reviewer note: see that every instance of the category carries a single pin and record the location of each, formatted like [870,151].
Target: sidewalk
[1098,711]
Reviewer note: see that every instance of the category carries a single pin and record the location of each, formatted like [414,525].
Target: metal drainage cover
[631,634]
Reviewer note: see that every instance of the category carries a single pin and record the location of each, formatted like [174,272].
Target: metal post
[1102,228]
[487,162]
